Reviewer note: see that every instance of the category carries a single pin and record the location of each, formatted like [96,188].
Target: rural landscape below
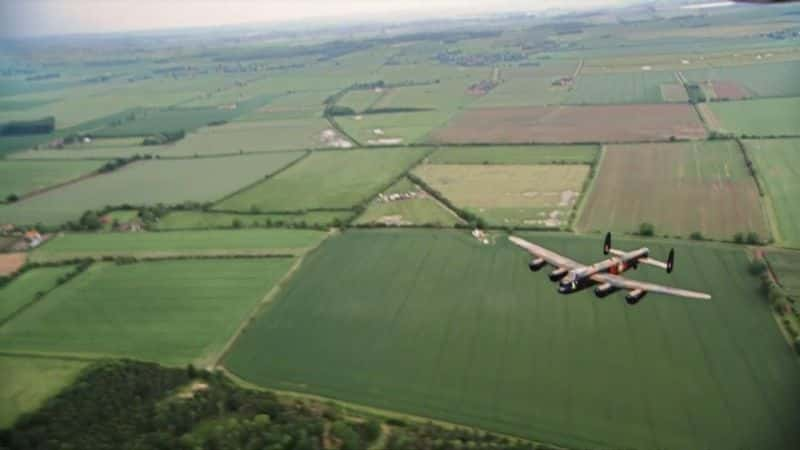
[297,237]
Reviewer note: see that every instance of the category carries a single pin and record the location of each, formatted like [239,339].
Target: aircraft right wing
[552,258]
[632,285]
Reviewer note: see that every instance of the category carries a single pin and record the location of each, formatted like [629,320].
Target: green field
[627,87]
[89,153]
[786,266]
[777,164]
[759,80]
[360,100]
[28,382]
[420,210]
[22,177]
[761,117]
[529,86]
[680,188]
[147,183]
[149,121]
[332,179]
[206,242]
[252,136]
[22,291]
[517,154]
[174,312]
[436,324]
[394,128]
[184,220]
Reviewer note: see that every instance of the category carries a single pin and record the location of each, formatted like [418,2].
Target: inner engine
[557,274]
[604,290]
[635,296]
[536,264]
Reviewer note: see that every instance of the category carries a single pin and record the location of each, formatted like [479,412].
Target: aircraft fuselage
[579,279]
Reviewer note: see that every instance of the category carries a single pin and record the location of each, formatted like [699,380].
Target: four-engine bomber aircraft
[573,276]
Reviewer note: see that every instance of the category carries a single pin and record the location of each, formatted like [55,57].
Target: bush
[738,238]
[696,236]
[797,346]
[752,238]
[646,229]
[757,267]
[12,198]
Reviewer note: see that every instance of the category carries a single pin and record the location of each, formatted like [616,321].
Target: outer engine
[536,264]
[635,296]
[604,290]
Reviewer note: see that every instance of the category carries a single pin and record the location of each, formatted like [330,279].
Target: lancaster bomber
[604,275]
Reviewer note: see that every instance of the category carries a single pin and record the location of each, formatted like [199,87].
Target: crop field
[150,121]
[29,382]
[523,91]
[709,191]
[786,266]
[443,96]
[517,154]
[422,209]
[777,164]
[393,128]
[23,289]
[173,312]
[147,183]
[243,137]
[82,103]
[22,177]
[298,105]
[674,92]
[89,153]
[204,242]
[572,124]
[184,220]
[11,262]
[360,99]
[627,87]
[469,335]
[325,180]
[528,86]
[540,195]
[761,117]
[755,80]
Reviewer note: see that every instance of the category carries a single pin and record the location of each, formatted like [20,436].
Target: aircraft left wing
[552,258]
[632,285]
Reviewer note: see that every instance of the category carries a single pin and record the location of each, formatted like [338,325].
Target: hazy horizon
[35,18]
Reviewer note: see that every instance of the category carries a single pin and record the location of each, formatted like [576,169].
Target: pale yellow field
[533,186]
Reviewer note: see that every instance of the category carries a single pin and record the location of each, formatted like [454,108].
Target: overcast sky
[42,17]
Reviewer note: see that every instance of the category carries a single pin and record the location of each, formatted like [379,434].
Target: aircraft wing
[552,258]
[632,285]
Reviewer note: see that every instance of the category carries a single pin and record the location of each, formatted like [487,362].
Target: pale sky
[42,17]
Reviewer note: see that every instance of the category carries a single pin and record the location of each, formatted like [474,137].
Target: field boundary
[370,411]
[79,269]
[87,176]
[134,257]
[261,305]
[587,189]
[265,178]
[767,208]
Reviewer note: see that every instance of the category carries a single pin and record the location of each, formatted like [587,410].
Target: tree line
[138,405]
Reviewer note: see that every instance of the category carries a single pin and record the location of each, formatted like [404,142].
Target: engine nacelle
[558,274]
[536,264]
[635,296]
[604,290]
